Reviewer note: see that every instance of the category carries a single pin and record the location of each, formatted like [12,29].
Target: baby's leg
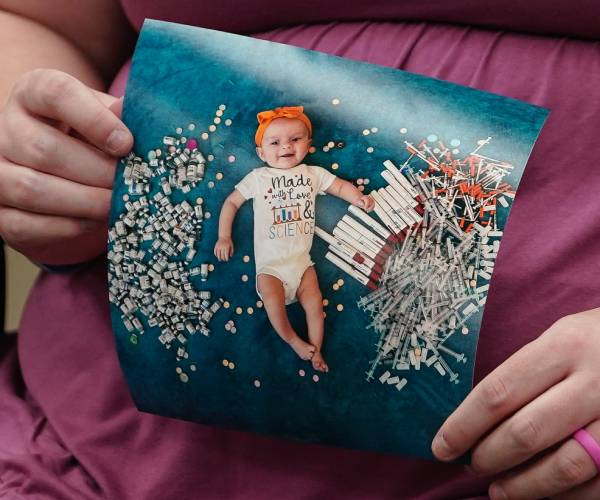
[273,297]
[309,295]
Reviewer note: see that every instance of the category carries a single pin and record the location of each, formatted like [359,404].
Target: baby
[284,195]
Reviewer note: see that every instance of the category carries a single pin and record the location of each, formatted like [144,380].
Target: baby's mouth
[288,155]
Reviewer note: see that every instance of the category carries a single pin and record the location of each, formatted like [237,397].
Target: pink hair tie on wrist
[589,443]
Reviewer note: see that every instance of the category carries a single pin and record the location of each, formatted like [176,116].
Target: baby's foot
[302,349]
[319,363]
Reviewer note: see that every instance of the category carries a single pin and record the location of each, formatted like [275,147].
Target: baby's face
[285,143]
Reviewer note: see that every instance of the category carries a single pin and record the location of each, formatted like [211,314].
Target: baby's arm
[224,245]
[346,191]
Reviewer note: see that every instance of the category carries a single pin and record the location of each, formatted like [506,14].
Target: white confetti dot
[370,149]
[246,258]
[178,369]
[335,166]
[227,122]
[454,143]
[464,330]
[259,303]
[210,157]
[239,310]
[335,286]
[217,120]
[211,184]
[231,158]
[125,197]
[250,310]
[340,282]
[199,200]
[325,149]
[340,307]
[403,130]
[325,302]
[331,144]
[455,151]
[432,138]
[151,155]
[211,267]
[225,362]
[244,278]
[219,112]
[436,150]
[178,130]
[192,126]
[301,373]
[359,181]
[231,365]
[315,378]
[184,378]
[193,367]
[366,181]
[366,131]
[361,188]
[212,128]
[335,101]
[257,383]
[204,136]
[183,140]
[374,130]
[222,107]
[219,176]
[207,215]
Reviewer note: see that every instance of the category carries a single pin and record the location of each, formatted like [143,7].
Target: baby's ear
[260,153]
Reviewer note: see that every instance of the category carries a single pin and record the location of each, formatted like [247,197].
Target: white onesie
[284,219]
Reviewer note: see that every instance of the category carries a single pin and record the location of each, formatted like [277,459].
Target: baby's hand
[224,248]
[366,202]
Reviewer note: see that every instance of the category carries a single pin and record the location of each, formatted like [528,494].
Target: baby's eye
[296,139]
[274,143]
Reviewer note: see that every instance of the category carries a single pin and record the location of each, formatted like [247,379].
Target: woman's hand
[518,421]
[59,141]
[224,248]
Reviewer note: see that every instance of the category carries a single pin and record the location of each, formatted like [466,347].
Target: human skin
[42,35]
[56,119]
[284,145]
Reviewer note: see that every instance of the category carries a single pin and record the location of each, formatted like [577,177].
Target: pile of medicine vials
[428,259]
[153,243]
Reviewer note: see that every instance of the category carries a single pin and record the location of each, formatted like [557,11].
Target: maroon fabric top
[74,432]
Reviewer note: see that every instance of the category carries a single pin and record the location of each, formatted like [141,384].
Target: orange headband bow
[266,117]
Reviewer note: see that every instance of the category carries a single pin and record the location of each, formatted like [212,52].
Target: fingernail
[117,139]
[497,493]
[440,447]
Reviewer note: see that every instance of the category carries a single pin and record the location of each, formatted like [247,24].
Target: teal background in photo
[180,75]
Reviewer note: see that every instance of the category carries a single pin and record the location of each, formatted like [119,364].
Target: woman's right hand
[59,142]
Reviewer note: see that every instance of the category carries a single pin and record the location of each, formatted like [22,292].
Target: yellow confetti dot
[178,369]
[250,310]
[335,166]
[211,267]
[204,136]
[199,200]
[239,310]
[226,305]
[219,112]
[312,149]
[335,286]
[212,128]
[331,144]
[225,362]
[184,378]
[259,303]
[335,101]
[340,282]
[325,302]
[217,120]
[366,131]
[219,176]
[340,307]
[246,258]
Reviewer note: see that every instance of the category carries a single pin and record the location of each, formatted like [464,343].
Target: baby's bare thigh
[269,286]
[309,285]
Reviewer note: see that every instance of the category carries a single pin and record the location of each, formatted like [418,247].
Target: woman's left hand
[519,420]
